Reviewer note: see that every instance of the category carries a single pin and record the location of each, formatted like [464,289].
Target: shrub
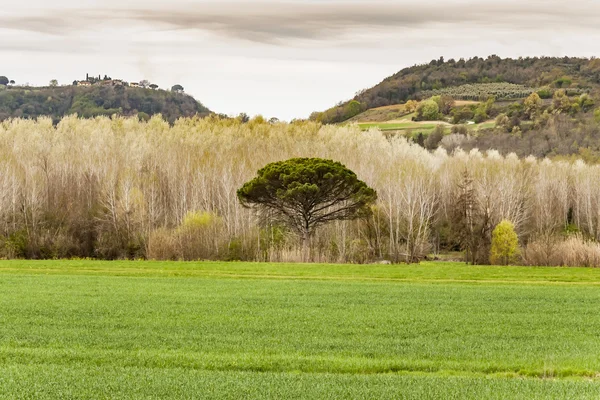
[505,244]
[161,245]
[434,138]
[428,111]
[235,250]
[597,115]
[572,251]
[460,130]
[533,105]
[143,116]
[462,114]
[561,102]
[545,93]
[454,141]
[480,115]
[585,102]
[411,106]
[358,251]
[200,236]
[445,103]
[16,245]
[503,122]
[563,82]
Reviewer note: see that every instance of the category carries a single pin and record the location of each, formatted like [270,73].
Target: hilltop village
[108,81]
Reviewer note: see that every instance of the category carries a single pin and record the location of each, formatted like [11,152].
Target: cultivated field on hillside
[231,330]
[412,128]
[393,112]
[478,91]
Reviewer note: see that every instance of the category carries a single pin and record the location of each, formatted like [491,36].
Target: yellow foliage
[505,244]
[411,106]
[199,220]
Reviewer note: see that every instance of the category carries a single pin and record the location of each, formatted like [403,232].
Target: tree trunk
[306,246]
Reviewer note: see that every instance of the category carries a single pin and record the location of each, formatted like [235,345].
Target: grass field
[376,118]
[419,127]
[91,329]
[395,126]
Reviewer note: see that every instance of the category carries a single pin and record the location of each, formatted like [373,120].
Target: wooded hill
[89,102]
[519,77]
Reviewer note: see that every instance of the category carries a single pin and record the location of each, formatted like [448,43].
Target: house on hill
[112,82]
[134,84]
[106,81]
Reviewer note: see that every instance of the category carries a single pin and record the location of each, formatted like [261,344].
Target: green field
[91,329]
[399,126]
[416,128]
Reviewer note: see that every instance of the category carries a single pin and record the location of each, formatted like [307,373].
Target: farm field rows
[77,329]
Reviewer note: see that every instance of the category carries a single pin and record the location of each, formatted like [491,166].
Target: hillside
[506,79]
[89,102]
[545,107]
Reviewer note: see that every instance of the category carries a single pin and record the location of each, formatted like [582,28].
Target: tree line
[123,188]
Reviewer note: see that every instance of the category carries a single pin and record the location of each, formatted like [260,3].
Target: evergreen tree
[304,193]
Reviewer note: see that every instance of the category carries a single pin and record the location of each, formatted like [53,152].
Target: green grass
[399,126]
[58,382]
[418,127]
[485,125]
[426,272]
[89,329]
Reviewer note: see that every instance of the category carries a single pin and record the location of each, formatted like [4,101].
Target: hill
[546,107]
[93,101]
[506,79]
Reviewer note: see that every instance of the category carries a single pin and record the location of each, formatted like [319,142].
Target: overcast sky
[273,57]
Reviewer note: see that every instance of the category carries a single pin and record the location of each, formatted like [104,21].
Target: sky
[277,58]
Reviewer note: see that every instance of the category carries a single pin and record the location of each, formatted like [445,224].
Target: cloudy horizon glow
[280,59]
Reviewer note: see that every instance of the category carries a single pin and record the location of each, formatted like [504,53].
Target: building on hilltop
[106,81]
[111,82]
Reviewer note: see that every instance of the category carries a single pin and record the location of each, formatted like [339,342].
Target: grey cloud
[282,22]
